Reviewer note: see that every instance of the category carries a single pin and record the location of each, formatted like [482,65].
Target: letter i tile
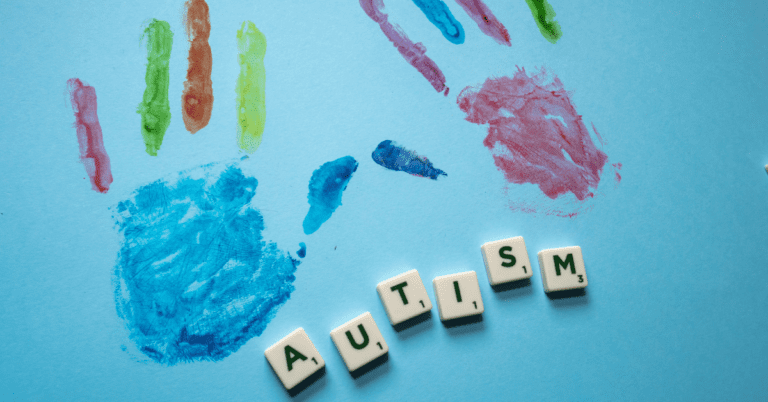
[458,295]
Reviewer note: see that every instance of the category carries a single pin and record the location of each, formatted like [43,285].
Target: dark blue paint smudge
[194,279]
[440,15]
[325,188]
[302,250]
[394,157]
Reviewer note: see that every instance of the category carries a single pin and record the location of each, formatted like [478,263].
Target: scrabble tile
[562,269]
[458,295]
[294,358]
[404,297]
[506,260]
[359,341]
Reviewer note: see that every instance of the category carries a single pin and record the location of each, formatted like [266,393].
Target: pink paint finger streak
[535,134]
[486,21]
[92,152]
[414,53]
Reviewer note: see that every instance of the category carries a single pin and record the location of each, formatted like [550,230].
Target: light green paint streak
[251,107]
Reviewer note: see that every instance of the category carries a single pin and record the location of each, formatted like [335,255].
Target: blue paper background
[675,254]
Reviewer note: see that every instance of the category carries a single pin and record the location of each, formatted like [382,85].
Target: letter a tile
[294,358]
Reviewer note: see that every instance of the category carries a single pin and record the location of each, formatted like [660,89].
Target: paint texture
[544,15]
[440,16]
[251,106]
[92,152]
[325,188]
[195,280]
[535,134]
[154,109]
[486,21]
[617,167]
[395,157]
[302,250]
[413,53]
[197,97]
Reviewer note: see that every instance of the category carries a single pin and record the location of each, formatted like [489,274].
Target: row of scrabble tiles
[359,341]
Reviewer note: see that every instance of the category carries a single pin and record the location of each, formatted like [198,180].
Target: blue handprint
[195,279]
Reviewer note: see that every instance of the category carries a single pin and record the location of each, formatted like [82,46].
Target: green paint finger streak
[544,15]
[154,109]
[251,109]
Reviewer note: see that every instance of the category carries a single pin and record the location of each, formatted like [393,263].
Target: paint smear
[92,152]
[195,280]
[413,53]
[197,97]
[486,21]
[395,157]
[154,109]
[325,188]
[302,250]
[440,16]
[544,15]
[251,107]
[535,134]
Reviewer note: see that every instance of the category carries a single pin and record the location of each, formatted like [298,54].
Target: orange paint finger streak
[197,97]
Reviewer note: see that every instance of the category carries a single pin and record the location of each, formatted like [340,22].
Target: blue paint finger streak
[195,280]
[394,157]
[440,16]
[302,250]
[325,188]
